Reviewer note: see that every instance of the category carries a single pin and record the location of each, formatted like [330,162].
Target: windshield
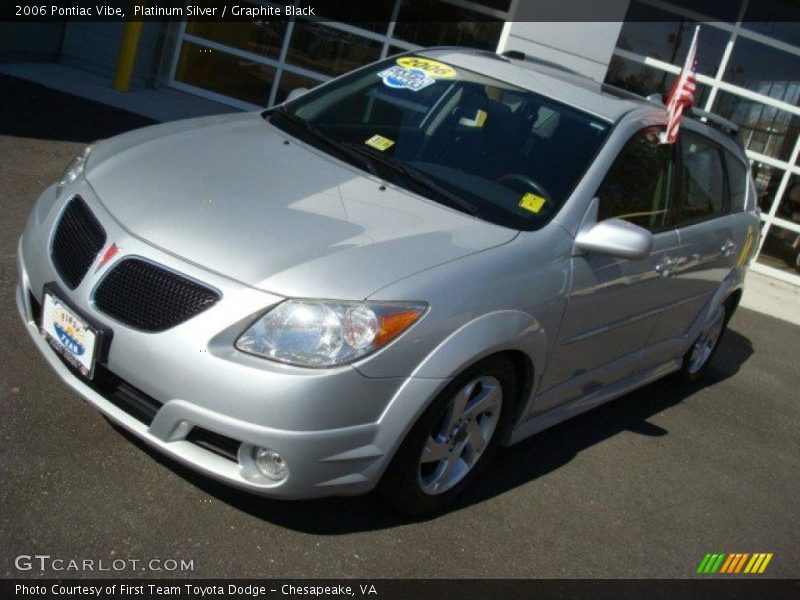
[503,153]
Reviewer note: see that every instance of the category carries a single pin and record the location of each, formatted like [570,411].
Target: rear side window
[638,187]
[703,185]
[737,179]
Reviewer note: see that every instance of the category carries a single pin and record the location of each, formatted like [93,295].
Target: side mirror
[616,237]
[296,93]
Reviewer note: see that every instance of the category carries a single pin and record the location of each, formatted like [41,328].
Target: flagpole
[674,98]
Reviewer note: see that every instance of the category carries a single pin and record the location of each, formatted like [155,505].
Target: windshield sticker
[430,67]
[379,142]
[532,203]
[401,78]
[477,121]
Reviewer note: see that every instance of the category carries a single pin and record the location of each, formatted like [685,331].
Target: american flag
[682,94]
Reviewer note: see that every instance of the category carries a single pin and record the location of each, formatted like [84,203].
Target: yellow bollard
[127,55]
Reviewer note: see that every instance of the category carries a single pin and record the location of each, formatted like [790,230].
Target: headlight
[74,169]
[325,333]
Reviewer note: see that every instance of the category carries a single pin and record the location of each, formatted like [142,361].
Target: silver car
[378,282]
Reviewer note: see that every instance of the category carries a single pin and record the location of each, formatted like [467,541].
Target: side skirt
[567,411]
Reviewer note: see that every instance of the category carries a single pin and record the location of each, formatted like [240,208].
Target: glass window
[718,10]
[330,51]
[259,37]
[703,191]
[460,138]
[775,18]
[638,187]
[762,128]
[737,181]
[290,81]
[225,74]
[652,32]
[643,80]
[453,26]
[495,4]
[351,11]
[781,249]
[789,208]
[767,179]
[764,70]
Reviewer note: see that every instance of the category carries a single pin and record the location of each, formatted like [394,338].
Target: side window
[737,178]
[703,186]
[638,187]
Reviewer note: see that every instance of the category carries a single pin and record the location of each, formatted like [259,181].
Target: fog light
[270,463]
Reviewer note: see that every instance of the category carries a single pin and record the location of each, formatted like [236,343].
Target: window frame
[679,180]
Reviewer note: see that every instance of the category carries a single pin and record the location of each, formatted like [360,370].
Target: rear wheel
[699,356]
[452,440]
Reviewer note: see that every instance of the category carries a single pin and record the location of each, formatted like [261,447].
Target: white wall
[585,46]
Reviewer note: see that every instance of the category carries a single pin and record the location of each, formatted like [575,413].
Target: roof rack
[519,55]
[722,123]
[711,119]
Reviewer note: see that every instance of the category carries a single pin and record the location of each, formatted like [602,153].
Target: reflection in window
[330,51]
[702,178]
[781,249]
[774,18]
[641,79]
[767,180]
[259,37]
[225,74]
[290,81]
[764,70]
[658,34]
[638,187]
[737,181]
[762,128]
[454,26]
[349,12]
[789,207]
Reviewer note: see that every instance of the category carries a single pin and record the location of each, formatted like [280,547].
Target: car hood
[229,193]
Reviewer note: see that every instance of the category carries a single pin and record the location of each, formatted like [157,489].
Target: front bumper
[336,429]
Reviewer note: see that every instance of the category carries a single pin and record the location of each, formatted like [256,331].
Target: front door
[614,303]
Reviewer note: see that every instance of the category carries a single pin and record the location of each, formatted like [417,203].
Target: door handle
[728,248]
[665,267]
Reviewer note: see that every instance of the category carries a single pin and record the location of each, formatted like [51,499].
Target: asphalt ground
[642,487]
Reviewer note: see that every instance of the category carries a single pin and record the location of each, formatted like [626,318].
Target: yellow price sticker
[433,68]
[379,142]
[532,203]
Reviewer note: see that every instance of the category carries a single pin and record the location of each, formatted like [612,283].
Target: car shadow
[521,464]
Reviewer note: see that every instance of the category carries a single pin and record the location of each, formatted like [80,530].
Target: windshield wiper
[340,148]
[417,177]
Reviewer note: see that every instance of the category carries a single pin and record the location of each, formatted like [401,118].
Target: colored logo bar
[736,562]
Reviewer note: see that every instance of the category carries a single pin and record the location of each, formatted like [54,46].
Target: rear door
[709,236]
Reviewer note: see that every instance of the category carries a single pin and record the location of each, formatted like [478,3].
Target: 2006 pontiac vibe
[378,282]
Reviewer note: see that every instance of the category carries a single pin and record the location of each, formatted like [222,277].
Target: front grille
[77,240]
[150,298]
[217,443]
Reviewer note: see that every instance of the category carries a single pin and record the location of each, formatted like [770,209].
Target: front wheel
[698,357]
[452,440]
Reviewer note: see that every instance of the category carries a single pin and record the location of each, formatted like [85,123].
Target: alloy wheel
[460,437]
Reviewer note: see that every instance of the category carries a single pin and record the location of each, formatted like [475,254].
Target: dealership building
[748,68]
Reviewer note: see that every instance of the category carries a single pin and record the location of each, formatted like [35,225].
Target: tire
[451,439]
[701,353]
